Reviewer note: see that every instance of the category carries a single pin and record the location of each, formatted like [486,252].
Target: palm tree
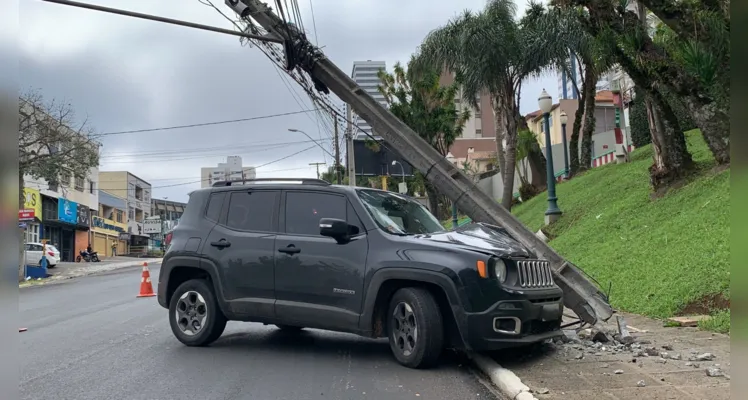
[557,34]
[418,100]
[488,52]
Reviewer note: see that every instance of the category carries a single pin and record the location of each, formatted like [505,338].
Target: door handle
[221,243]
[290,250]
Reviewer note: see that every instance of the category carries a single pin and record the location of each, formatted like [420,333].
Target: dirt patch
[705,305]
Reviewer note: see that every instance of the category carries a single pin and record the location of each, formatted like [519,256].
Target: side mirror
[336,229]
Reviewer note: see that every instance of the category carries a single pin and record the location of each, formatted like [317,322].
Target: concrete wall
[494,187]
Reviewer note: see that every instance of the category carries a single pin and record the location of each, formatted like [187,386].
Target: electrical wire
[181,152]
[204,123]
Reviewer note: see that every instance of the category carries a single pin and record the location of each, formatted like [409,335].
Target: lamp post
[564,120]
[553,213]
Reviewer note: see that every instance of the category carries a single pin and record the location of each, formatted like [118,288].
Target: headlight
[499,269]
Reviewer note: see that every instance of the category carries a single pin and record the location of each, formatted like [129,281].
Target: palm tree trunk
[433,196]
[500,127]
[574,140]
[590,79]
[507,196]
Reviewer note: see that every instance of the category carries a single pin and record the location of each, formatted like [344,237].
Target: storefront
[82,228]
[105,232]
[32,200]
[61,225]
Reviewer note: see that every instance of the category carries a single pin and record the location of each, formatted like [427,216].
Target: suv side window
[252,210]
[305,209]
[213,212]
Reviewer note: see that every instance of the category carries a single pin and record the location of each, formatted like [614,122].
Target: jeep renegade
[308,254]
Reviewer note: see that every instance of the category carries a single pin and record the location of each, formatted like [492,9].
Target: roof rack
[303,181]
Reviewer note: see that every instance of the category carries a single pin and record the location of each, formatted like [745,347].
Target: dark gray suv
[305,253]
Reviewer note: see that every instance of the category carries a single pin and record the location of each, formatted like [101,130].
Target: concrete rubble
[627,362]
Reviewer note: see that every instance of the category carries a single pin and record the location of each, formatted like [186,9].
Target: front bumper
[516,322]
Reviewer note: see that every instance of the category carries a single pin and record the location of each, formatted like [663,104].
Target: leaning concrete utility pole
[581,295]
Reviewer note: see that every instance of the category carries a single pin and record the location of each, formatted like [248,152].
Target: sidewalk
[69,270]
[662,363]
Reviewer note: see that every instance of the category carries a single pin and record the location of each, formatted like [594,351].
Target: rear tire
[415,328]
[194,315]
[289,328]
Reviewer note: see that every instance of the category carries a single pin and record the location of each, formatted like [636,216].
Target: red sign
[27,214]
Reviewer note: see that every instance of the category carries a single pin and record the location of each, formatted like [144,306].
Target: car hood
[481,237]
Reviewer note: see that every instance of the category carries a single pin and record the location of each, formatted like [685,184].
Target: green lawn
[659,255]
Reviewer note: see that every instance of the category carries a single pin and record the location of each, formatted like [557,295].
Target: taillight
[51,254]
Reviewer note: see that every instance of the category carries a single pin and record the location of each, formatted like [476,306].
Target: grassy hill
[664,256]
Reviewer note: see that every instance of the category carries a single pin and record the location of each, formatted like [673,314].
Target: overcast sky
[129,74]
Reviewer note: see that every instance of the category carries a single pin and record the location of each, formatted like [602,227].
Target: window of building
[131,213]
[91,186]
[305,209]
[65,179]
[32,233]
[252,211]
[213,211]
[479,133]
[52,186]
[120,216]
[80,183]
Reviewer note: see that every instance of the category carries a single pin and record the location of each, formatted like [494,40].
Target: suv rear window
[214,206]
[252,211]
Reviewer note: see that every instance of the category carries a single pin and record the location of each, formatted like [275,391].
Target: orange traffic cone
[146,288]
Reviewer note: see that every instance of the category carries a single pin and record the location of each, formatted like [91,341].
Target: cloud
[127,74]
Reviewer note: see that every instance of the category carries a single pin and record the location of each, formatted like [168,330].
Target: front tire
[415,329]
[194,315]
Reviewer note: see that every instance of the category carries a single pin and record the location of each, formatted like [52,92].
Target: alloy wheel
[404,328]
[191,313]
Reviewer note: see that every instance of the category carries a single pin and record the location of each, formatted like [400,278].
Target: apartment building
[137,194]
[477,143]
[232,169]
[366,75]
[109,226]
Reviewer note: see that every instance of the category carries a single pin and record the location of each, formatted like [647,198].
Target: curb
[112,268]
[505,380]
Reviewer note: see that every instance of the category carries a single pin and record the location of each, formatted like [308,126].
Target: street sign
[27,214]
[152,226]
[402,187]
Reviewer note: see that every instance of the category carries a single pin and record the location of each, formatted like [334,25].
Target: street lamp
[564,120]
[402,169]
[553,213]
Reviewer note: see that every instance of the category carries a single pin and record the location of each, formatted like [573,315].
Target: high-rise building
[365,74]
[566,88]
[232,169]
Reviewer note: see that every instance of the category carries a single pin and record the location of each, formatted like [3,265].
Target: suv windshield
[398,214]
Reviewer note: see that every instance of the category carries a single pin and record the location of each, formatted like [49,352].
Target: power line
[234,149]
[204,123]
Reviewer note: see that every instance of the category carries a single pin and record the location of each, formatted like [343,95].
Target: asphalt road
[91,338]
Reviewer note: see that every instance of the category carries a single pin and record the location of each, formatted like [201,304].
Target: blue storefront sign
[67,211]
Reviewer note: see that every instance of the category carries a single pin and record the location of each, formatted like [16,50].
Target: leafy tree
[556,32]
[627,39]
[416,97]
[695,68]
[50,146]
[488,52]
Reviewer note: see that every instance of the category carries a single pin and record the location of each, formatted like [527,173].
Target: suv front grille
[534,274]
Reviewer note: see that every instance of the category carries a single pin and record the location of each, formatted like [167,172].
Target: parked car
[308,254]
[34,254]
